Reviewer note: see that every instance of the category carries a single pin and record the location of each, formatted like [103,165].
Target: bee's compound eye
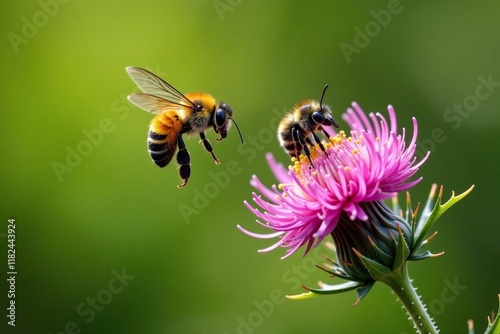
[318,117]
[220,118]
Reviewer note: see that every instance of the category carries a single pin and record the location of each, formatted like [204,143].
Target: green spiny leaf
[494,327]
[402,251]
[409,208]
[363,291]
[423,227]
[302,296]
[423,256]
[383,257]
[327,289]
[427,210]
[375,269]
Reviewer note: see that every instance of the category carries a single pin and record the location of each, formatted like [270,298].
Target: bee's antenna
[237,128]
[322,95]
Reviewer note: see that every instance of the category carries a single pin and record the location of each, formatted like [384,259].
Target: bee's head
[323,116]
[222,115]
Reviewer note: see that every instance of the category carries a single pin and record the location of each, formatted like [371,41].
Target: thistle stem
[399,281]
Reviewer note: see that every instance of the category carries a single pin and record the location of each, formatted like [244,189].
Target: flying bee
[178,114]
[298,127]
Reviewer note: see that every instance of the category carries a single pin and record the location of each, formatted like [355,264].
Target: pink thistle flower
[373,164]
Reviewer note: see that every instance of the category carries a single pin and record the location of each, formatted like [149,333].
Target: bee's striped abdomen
[162,137]
[158,149]
[293,148]
[286,136]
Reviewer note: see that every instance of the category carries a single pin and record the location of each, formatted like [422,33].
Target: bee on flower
[339,190]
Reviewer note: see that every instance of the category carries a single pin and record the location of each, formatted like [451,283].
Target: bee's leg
[324,131]
[298,146]
[302,142]
[320,144]
[184,160]
[296,143]
[309,141]
[208,147]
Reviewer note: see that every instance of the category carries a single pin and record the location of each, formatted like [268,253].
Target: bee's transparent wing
[151,84]
[154,104]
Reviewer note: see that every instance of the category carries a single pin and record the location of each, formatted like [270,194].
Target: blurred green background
[184,266]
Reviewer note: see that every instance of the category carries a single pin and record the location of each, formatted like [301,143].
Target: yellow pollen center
[315,152]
